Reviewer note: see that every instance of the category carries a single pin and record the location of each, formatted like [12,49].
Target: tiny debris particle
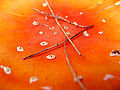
[20,49]
[115,53]
[51,28]
[46,18]
[41,32]
[43,43]
[55,33]
[66,16]
[101,32]
[117,3]
[79,77]
[68,33]
[103,20]
[108,76]
[65,27]
[75,23]
[35,23]
[85,33]
[33,79]
[44,4]
[81,13]
[46,88]
[51,57]
[7,70]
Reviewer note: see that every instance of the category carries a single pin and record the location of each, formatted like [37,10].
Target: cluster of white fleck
[44,4]
[108,76]
[55,33]
[46,88]
[50,57]
[103,20]
[43,43]
[20,49]
[81,13]
[85,33]
[33,79]
[101,32]
[35,23]
[41,32]
[114,54]
[7,70]
[65,27]
[117,3]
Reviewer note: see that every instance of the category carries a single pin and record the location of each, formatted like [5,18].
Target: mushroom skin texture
[16,29]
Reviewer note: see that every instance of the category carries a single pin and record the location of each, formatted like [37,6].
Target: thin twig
[57,44]
[59,17]
[62,28]
[74,74]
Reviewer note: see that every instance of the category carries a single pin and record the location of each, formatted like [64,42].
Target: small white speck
[41,32]
[103,20]
[108,76]
[101,32]
[20,49]
[55,33]
[75,23]
[46,88]
[81,13]
[46,18]
[119,62]
[66,16]
[35,23]
[85,33]
[43,43]
[44,4]
[51,28]
[33,79]
[114,53]
[79,77]
[51,57]
[68,33]
[1,66]
[65,27]
[7,70]
[117,3]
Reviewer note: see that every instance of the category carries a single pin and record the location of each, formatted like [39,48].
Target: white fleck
[35,23]
[79,77]
[7,70]
[68,33]
[85,33]
[1,66]
[66,16]
[46,88]
[20,49]
[43,43]
[44,4]
[108,76]
[75,23]
[33,79]
[101,32]
[51,57]
[46,18]
[114,53]
[119,62]
[65,27]
[41,32]
[51,28]
[117,3]
[103,20]
[55,33]
[81,13]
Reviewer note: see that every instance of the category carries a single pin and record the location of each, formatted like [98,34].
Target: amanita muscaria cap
[22,29]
